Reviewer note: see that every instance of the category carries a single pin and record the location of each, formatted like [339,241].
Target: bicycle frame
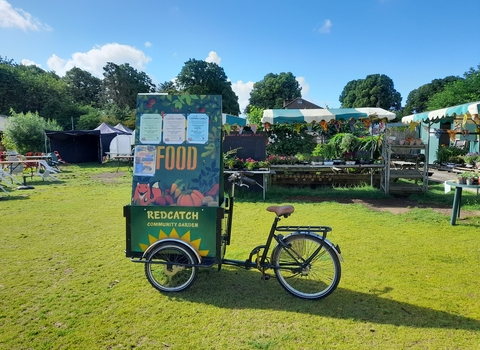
[262,261]
[305,263]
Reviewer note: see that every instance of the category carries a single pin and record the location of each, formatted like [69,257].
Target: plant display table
[457,198]
[325,174]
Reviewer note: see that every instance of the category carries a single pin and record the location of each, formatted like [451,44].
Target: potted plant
[471,158]
[468,177]
[329,153]
[251,164]
[317,154]
[349,158]
[230,163]
[363,157]
[263,165]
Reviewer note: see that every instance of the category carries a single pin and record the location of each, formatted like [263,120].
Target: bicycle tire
[315,281]
[166,268]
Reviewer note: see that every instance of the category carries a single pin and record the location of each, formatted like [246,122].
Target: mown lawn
[409,280]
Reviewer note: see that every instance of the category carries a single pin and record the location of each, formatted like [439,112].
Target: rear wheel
[313,280]
[168,267]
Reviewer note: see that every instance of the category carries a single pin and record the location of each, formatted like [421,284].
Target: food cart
[177,174]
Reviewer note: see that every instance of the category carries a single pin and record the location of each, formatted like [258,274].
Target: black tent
[77,146]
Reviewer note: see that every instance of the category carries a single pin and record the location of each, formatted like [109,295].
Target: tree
[255,115]
[83,87]
[458,92]
[26,132]
[349,93]
[417,99]
[376,90]
[168,87]
[89,120]
[207,78]
[122,83]
[11,87]
[45,93]
[273,90]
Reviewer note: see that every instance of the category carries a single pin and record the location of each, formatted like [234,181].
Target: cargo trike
[180,217]
[303,260]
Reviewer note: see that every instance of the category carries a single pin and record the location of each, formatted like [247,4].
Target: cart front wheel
[169,267]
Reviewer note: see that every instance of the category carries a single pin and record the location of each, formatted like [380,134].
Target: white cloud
[243,92]
[94,60]
[325,28]
[148,44]
[305,87]
[213,57]
[27,62]
[17,18]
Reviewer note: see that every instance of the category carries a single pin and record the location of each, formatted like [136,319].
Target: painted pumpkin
[190,199]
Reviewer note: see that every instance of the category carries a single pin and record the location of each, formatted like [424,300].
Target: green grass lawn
[408,280]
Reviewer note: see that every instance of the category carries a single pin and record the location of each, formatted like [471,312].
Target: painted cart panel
[200,227]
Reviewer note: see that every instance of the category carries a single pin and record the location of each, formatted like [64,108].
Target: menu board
[197,128]
[173,129]
[150,128]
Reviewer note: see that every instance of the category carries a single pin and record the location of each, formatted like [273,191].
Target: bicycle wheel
[314,280]
[165,267]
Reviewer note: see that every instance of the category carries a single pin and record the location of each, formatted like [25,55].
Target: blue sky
[324,43]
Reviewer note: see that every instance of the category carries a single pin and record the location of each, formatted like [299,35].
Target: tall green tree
[122,83]
[417,100]
[44,92]
[376,90]
[26,132]
[273,90]
[208,78]
[458,92]
[11,87]
[83,87]
[168,87]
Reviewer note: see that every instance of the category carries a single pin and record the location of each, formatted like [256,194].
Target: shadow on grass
[235,288]
[12,197]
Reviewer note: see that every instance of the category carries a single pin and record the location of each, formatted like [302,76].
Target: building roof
[299,103]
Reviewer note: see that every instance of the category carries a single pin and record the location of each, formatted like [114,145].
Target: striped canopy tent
[281,116]
[467,112]
[471,109]
[233,120]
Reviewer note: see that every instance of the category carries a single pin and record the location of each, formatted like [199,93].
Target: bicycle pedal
[265,277]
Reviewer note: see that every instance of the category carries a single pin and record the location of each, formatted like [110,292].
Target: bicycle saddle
[281,210]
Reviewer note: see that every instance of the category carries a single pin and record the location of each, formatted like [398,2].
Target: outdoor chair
[59,158]
[46,172]
[8,178]
[53,162]
[4,190]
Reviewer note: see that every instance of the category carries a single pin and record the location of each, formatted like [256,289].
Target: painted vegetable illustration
[190,199]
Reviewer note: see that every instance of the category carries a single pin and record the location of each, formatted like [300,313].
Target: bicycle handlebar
[239,179]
